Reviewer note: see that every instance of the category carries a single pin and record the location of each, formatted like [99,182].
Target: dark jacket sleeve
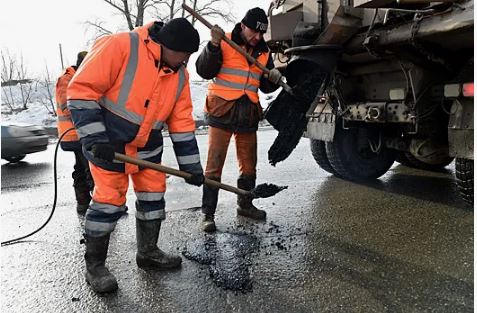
[267,86]
[209,62]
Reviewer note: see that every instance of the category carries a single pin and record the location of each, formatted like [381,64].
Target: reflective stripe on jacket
[70,141]
[236,76]
[122,95]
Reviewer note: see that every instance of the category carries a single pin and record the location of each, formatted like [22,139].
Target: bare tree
[15,75]
[8,79]
[46,98]
[220,9]
[134,12]
[98,28]
[25,86]
[8,75]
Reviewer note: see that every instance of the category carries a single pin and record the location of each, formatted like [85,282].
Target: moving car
[18,140]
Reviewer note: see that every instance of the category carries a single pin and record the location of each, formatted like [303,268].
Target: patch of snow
[37,113]
[198,92]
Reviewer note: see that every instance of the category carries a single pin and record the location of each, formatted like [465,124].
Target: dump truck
[396,82]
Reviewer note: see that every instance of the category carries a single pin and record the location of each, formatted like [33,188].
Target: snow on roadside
[37,113]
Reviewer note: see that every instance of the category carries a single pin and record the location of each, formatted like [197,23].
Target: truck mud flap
[461,129]
[321,124]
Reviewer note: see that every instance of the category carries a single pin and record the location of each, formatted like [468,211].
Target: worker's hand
[103,151]
[216,34]
[274,76]
[195,179]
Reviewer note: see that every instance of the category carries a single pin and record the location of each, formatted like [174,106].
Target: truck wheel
[407,159]
[464,172]
[318,150]
[351,157]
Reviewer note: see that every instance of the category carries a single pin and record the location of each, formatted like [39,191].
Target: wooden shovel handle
[174,172]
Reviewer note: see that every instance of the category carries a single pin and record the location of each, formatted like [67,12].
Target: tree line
[15,75]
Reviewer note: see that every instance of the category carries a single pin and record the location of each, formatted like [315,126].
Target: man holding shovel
[232,106]
[129,86]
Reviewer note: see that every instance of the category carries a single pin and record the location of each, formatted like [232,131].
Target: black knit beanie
[256,19]
[80,57]
[179,35]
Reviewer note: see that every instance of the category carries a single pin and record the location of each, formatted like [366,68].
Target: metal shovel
[260,191]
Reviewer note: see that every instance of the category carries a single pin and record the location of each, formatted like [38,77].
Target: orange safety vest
[236,76]
[63,115]
[119,79]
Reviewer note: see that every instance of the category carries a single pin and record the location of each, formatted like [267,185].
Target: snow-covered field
[37,113]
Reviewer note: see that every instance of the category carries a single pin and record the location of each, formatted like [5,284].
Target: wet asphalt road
[403,243]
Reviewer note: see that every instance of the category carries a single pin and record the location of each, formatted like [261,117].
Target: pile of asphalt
[229,254]
[227,257]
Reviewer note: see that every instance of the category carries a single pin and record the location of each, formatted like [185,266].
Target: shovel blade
[266,190]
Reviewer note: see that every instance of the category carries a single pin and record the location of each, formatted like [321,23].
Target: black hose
[17,240]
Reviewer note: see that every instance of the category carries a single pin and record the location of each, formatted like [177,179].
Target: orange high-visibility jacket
[123,95]
[70,141]
[236,76]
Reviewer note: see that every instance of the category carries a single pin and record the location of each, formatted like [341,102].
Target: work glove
[216,34]
[274,76]
[195,179]
[103,151]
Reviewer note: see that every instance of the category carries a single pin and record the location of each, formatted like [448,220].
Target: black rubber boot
[148,254]
[210,197]
[97,274]
[246,207]
[83,197]
[208,223]
[82,182]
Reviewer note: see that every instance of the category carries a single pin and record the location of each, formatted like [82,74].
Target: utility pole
[61,57]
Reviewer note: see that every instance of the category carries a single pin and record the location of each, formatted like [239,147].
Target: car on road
[18,140]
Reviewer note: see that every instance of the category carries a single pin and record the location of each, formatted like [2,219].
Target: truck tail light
[457,90]
[468,90]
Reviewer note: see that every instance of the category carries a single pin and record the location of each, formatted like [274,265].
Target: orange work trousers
[109,198]
[246,146]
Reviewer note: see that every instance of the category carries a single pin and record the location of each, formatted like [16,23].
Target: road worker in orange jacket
[82,181]
[129,87]
[232,106]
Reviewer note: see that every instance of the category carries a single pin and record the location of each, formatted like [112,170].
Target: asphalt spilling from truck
[287,113]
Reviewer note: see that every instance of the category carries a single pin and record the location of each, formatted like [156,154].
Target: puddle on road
[228,257]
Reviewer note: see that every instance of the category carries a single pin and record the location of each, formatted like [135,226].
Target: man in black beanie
[129,87]
[232,107]
[178,38]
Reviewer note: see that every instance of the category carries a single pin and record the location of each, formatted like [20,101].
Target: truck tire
[407,159]
[352,158]
[318,150]
[464,172]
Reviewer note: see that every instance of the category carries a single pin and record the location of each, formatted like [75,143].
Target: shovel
[239,49]
[261,191]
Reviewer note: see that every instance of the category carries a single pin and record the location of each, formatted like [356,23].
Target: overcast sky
[35,28]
